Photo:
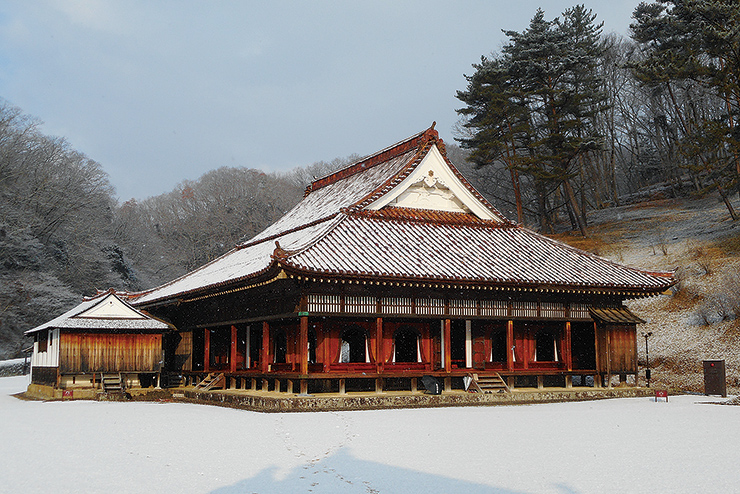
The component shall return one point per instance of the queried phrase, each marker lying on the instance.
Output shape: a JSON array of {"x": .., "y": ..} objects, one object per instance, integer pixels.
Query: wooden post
[
  {"x": 265, "y": 384},
  {"x": 448, "y": 384},
  {"x": 342, "y": 387},
  {"x": 509, "y": 345},
  {"x": 232, "y": 354},
  {"x": 568, "y": 346},
  {"x": 569, "y": 381},
  {"x": 378, "y": 384},
  {"x": 379, "y": 357},
  {"x": 304, "y": 386},
  {"x": 597, "y": 349},
  {"x": 303, "y": 351},
  {"x": 207, "y": 350},
  {"x": 265, "y": 352},
  {"x": 448, "y": 344},
  {"x": 414, "y": 384},
  {"x": 608, "y": 359},
  {"x": 540, "y": 382}
]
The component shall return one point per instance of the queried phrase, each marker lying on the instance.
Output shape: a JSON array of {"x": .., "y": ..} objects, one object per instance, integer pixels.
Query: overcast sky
[{"x": 159, "y": 92}]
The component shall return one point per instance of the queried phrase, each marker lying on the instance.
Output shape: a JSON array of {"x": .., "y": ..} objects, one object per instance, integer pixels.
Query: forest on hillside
[{"x": 565, "y": 120}]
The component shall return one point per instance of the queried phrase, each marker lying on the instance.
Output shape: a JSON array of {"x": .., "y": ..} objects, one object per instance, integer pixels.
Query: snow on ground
[{"x": 626, "y": 445}]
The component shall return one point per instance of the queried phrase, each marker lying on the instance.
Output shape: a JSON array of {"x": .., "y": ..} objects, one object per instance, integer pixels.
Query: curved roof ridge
[
  {"x": 338, "y": 219},
  {"x": 250, "y": 243},
  {"x": 371, "y": 160},
  {"x": 430, "y": 137}
]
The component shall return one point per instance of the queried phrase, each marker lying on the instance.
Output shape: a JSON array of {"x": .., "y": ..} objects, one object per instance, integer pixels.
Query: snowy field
[{"x": 627, "y": 445}]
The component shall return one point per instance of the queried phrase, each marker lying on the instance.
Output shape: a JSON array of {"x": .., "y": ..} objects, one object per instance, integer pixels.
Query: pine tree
[
  {"x": 695, "y": 45},
  {"x": 537, "y": 102},
  {"x": 498, "y": 121}
]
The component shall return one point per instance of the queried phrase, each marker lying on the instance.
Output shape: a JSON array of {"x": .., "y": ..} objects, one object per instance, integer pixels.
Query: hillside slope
[{"x": 700, "y": 318}]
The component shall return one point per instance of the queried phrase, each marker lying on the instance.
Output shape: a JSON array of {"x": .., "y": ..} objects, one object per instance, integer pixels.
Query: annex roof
[
  {"x": 405, "y": 213},
  {"x": 104, "y": 312}
]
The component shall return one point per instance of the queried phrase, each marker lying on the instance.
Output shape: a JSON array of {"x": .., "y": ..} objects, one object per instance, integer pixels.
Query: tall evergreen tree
[
  {"x": 695, "y": 45},
  {"x": 498, "y": 120},
  {"x": 545, "y": 82}
]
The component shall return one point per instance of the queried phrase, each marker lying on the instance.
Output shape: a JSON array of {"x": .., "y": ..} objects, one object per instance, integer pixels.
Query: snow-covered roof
[
  {"x": 106, "y": 311},
  {"x": 406, "y": 213}
]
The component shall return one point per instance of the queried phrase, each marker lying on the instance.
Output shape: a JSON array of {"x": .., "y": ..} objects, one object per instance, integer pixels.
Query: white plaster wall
[{"x": 49, "y": 358}]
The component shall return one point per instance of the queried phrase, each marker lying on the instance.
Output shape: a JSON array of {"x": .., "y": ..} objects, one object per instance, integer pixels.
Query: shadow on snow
[{"x": 342, "y": 473}]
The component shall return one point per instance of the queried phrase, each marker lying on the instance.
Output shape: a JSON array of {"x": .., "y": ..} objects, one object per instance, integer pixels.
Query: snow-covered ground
[{"x": 625, "y": 445}]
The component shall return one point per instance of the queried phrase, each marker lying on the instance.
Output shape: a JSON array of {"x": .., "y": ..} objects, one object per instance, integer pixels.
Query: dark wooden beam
[{"x": 207, "y": 350}]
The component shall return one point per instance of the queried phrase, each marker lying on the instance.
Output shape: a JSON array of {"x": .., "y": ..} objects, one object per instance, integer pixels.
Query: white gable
[
  {"x": 111, "y": 307},
  {"x": 433, "y": 186}
]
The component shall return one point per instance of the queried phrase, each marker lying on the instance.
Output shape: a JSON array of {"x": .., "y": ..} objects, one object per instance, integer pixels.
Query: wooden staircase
[
  {"x": 211, "y": 381},
  {"x": 488, "y": 384},
  {"x": 112, "y": 383},
  {"x": 170, "y": 380}
]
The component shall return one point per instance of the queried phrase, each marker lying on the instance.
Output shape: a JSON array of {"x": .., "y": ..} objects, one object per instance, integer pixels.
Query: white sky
[{"x": 159, "y": 92}]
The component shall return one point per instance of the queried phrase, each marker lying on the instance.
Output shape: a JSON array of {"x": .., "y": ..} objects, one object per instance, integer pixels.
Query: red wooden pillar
[
  {"x": 232, "y": 354},
  {"x": 303, "y": 345},
  {"x": 379, "y": 356},
  {"x": 265, "y": 353},
  {"x": 448, "y": 345},
  {"x": 207, "y": 350},
  {"x": 568, "y": 346},
  {"x": 510, "y": 345},
  {"x": 599, "y": 364}
]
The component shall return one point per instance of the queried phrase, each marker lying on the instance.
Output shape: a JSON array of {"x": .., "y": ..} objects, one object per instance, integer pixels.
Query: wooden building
[
  {"x": 396, "y": 268},
  {"x": 104, "y": 339}
]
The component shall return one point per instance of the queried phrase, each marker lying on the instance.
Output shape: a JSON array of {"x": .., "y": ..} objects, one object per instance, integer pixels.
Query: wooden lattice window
[
  {"x": 430, "y": 306},
  {"x": 552, "y": 310},
  {"x": 524, "y": 309},
  {"x": 495, "y": 308},
  {"x": 463, "y": 308},
  {"x": 579, "y": 311},
  {"x": 359, "y": 305},
  {"x": 397, "y": 305},
  {"x": 323, "y": 303}
]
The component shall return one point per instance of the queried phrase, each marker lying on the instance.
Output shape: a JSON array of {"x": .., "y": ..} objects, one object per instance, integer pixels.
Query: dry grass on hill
[{"x": 700, "y": 318}]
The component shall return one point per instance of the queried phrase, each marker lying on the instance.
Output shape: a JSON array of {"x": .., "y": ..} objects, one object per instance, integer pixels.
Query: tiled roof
[
  {"x": 332, "y": 232},
  {"x": 475, "y": 253},
  {"x": 79, "y": 318},
  {"x": 245, "y": 262}
]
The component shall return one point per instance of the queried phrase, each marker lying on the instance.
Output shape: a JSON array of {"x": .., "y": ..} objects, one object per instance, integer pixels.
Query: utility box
[{"x": 715, "y": 378}]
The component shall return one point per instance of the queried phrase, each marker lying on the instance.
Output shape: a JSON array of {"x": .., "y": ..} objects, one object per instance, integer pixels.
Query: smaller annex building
[{"x": 104, "y": 341}]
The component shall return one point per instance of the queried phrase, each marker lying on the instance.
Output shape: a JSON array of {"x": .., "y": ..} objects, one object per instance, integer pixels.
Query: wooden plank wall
[
  {"x": 622, "y": 355},
  {"x": 617, "y": 349},
  {"x": 184, "y": 351},
  {"x": 105, "y": 352}
]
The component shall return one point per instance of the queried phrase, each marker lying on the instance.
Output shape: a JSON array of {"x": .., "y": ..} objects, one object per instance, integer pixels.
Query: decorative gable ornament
[{"x": 433, "y": 186}]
